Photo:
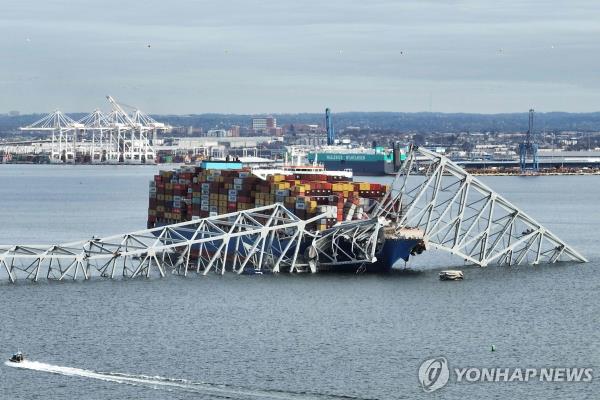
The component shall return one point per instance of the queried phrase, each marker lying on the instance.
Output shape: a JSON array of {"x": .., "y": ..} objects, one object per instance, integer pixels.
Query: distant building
[
  {"x": 217, "y": 133},
  {"x": 14, "y": 113},
  {"x": 303, "y": 128},
  {"x": 276, "y": 131},
  {"x": 262, "y": 125},
  {"x": 259, "y": 124},
  {"x": 235, "y": 130},
  {"x": 568, "y": 142}
]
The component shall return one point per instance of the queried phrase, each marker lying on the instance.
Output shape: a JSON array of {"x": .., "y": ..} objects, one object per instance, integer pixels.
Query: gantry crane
[{"x": 529, "y": 148}]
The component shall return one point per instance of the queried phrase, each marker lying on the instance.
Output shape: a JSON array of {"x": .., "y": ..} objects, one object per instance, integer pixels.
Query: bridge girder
[
  {"x": 461, "y": 215},
  {"x": 264, "y": 239}
]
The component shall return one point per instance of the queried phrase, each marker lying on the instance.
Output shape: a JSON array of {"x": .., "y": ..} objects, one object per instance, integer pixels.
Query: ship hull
[
  {"x": 361, "y": 168},
  {"x": 363, "y": 163},
  {"x": 392, "y": 252}
]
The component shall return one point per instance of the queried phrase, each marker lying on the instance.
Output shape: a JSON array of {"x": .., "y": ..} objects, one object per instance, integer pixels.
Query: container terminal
[
  {"x": 125, "y": 135},
  {"x": 117, "y": 137},
  {"x": 432, "y": 202}
]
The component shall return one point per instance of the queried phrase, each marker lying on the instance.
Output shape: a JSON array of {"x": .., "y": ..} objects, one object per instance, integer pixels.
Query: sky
[{"x": 289, "y": 56}]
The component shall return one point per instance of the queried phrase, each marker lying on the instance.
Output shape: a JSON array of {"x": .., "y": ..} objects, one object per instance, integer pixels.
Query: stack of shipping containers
[{"x": 194, "y": 192}]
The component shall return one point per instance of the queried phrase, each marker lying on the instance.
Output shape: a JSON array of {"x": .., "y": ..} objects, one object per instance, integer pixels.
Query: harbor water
[{"x": 288, "y": 337}]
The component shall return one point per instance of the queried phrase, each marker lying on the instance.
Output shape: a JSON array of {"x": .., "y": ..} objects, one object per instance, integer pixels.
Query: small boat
[
  {"x": 451, "y": 275},
  {"x": 17, "y": 357}
]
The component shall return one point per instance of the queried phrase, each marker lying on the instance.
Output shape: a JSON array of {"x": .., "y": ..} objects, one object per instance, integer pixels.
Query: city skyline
[{"x": 284, "y": 57}]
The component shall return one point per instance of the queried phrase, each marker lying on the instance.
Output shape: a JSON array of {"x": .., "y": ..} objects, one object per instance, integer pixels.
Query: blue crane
[
  {"x": 329, "y": 126},
  {"x": 529, "y": 148}
]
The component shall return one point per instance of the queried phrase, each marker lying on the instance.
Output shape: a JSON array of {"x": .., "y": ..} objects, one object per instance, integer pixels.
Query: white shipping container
[
  {"x": 351, "y": 212},
  {"x": 331, "y": 211},
  {"x": 359, "y": 213}
]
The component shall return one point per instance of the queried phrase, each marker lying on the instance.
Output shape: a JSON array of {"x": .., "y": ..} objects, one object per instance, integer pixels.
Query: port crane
[
  {"x": 64, "y": 134},
  {"x": 529, "y": 148},
  {"x": 111, "y": 138},
  {"x": 132, "y": 133}
]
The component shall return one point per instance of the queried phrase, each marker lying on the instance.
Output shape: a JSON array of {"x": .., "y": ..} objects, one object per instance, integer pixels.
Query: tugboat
[
  {"x": 17, "y": 357},
  {"x": 451, "y": 275}
]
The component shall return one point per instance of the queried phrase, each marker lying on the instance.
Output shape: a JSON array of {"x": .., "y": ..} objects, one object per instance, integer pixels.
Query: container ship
[
  {"x": 340, "y": 154},
  {"x": 219, "y": 187},
  {"x": 362, "y": 161}
]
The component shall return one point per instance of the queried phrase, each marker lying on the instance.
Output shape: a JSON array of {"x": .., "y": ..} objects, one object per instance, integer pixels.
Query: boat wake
[{"x": 170, "y": 384}]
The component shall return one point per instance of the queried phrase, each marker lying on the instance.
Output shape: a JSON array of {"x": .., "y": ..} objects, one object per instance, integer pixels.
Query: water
[{"x": 287, "y": 337}]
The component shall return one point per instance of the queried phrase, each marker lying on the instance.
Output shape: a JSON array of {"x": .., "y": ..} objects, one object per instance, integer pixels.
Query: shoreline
[
  {"x": 540, "y": 173},
  {"x": 474, "y": 172}
]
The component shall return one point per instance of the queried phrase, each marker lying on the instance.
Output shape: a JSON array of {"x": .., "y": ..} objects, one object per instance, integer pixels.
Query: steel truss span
[
  {"x": 451, "y": 210},
  {"x": 264, "y": 239},
  {"x": 461, "y": 215}
]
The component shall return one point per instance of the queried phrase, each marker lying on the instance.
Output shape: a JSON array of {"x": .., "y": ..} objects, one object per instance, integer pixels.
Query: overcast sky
[{"x": 269, "y": 56}]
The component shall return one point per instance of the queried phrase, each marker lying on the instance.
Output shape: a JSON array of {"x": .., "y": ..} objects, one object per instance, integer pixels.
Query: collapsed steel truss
[
  {"x": 452, "y": 210},
  {"x": 264, "y": 239},
  {"x": 461, "y": 215}
]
